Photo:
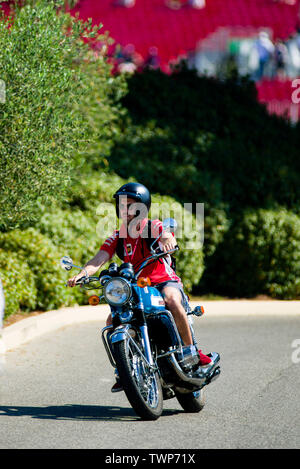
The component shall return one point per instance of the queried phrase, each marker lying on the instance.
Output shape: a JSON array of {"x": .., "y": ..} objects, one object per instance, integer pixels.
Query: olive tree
[{"x": 59, "y": 106}]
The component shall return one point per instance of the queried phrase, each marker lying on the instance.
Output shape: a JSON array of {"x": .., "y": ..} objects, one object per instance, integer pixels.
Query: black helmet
[{"x": 135, "y": 191}]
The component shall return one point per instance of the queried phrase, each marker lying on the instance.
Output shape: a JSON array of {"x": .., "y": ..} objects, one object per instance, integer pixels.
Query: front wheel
[
  {"x": 191, "y": 402},
  {"x": 141, "y": 384}
]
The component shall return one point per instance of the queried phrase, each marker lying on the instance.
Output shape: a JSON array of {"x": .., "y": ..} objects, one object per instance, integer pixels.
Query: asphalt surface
[{"x": 55, "y": 392}]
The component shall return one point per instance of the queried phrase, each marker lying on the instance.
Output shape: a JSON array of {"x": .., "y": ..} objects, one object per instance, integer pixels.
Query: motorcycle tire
[
  {"x": 143, "y": 408},
  {"x": 192, "y": 402}
]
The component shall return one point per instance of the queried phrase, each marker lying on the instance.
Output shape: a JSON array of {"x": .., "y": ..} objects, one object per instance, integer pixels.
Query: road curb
[{"x": 27, "y": 329}]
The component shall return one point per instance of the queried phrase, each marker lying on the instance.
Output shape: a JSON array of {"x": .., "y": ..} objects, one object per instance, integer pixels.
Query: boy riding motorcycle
[{"x": 130, "y": 244}]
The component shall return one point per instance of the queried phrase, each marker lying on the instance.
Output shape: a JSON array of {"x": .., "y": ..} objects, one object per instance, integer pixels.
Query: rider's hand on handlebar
[
  {"x": 168, "y": 242},
  {"x": 72, "y": 281}
]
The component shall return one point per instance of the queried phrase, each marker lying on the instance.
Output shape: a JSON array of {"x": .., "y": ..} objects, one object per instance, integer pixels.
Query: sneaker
[
  {"x": 117, "y": 387},
  {"x": 204, "y": 359}
]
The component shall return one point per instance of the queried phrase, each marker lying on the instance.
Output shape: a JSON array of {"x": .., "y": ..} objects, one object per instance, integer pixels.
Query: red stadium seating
[
  {"x": 281, "y": 97},
  {"x": 178, "y": 31},
  {"x": 152, "y": 23},
  {"x": 175, "y": 32}
]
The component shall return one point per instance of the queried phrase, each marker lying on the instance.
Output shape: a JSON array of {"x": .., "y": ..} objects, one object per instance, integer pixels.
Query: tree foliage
[
  {"x": 60, "y": 106},
  {"x": 206, "y": 140}
]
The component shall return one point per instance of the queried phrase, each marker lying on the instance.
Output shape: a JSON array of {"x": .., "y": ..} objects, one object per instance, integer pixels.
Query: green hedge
[
  {"x": 73, "y": 231},
  {"x": 89, "y": 189},
  {"x": 216, "y": 225},
  {"x": 259, "y": 254},
  {"x": 18, "y": 283},
  {"x": 38, "y": 255}
]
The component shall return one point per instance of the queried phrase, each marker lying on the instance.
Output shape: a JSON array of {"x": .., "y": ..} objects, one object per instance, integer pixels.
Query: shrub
[
  {"x": 259, "y": 254},
  {"x": 72, "y": 231},
  {"x": 91, "y": 188},
  {"x": 18, "y": 283},
  {"x": 216, "y": 225},
  {"x": 60, "y": 109},
  {"x": 42, "y": 258}
]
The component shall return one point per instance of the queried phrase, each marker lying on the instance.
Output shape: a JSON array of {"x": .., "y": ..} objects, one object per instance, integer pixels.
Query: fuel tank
[{"x": 152, "y": 299}]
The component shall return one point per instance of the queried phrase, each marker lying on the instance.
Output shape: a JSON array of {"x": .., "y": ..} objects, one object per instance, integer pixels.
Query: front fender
[{"x": 119, "y": 334}]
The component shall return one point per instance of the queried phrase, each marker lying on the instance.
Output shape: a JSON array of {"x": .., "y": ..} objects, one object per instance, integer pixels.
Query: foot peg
[{"x": 211, "y": 371}]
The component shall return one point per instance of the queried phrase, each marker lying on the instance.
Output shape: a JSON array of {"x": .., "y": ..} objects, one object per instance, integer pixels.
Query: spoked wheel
[
  {"x": 192, "y": 401},
  {"x": 141, "y": 383}
]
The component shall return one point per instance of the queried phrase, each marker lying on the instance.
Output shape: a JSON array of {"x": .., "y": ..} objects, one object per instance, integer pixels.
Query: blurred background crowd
[
  {"x": 259, "y": 39},
  {"x": 257, "y": 54}
]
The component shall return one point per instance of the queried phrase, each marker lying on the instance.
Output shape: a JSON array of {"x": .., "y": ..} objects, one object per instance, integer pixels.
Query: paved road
[{"x": 55, "y": 392}]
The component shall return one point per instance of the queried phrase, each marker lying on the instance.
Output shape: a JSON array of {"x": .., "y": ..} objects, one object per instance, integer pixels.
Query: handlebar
[
  {"x": 160, "y": 253},
  {"x": 85, "y": 279}
]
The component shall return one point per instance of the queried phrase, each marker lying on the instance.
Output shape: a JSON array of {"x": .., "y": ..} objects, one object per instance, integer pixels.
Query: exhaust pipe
[{"x": 205, "y": 376}]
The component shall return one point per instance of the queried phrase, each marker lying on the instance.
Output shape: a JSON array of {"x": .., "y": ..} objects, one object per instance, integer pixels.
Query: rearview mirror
[
  {"x": 169, "y": 224},
  {"x": 66, "y": 263}
]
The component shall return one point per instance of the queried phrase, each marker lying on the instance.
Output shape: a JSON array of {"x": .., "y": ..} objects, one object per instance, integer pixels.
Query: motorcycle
[{"x": 143, "y": 343}]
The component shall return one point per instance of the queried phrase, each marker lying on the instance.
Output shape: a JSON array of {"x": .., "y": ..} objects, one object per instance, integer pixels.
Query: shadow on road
[{"x": 77, "y": 412}]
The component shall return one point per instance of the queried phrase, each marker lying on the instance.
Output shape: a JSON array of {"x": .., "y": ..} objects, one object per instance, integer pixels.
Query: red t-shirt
[{"x": 136, "y": 249}]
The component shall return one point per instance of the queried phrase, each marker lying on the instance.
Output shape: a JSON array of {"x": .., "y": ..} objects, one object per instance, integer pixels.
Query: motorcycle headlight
[{"x": 117, "y": 291}]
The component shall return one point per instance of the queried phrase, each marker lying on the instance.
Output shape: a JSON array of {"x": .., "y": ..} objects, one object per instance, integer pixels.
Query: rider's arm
[
  {"x": 97, "y": 262},
  {"x": 105, "y": 253},
  {"x": 91, "y": 267},
  {"x": 167, "y": 239}
]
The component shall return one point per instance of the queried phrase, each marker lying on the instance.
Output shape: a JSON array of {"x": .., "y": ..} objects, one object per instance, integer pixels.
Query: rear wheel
[
  {"x": 141, "y": 384},
  {"x": 191, "y": 402}
]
